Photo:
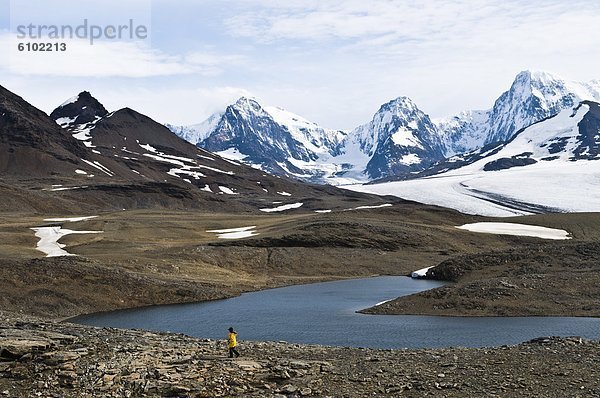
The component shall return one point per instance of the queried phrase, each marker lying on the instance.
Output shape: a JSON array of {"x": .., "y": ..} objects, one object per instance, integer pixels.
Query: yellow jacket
[{"x": 232, "y": 340}]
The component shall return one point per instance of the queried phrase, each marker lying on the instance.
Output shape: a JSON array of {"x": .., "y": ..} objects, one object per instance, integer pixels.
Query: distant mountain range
[
  {"x": 542, "y": 132},
  {"x": 83, "y": 157},
  {"x": 399, "y": 142},
  {"x": 551, "y": 166},
  {"x": 400, "y": 138}
]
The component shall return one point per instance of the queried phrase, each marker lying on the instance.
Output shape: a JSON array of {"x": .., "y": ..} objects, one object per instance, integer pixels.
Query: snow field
[{"x": 505, "y": 228}]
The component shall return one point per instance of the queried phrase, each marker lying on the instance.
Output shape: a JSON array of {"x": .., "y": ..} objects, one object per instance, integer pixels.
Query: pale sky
[{"x": 333, "y": 62}]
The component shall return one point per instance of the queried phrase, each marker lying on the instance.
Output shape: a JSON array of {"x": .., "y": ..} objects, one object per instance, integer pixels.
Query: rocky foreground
[{"x": 50, "y": 359}]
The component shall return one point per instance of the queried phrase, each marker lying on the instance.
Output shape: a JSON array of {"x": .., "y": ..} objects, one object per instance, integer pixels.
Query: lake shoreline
[
  {"x": 550, "y": 279},
  {"x": 289, "y": 283},
  {"x": 329, "y": 313}
]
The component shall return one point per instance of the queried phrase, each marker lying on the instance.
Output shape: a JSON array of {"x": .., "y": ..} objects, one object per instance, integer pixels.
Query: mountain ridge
[
  {"x": 399, "y": 141},
  {"x": 123, "y": 159},
  {"x": 293, "y": 146}
]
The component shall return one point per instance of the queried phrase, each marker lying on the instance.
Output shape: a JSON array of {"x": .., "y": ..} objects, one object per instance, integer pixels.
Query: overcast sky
[{"x": 333, "y": 62}]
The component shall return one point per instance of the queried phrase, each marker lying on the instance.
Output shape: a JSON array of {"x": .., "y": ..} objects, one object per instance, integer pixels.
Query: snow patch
[
  {"x": 69, "y": 219},
  {"x": 194, "y": 174},
  {"x": 65, "y": 121},
  {"x": 49, "y": 237},
  {"x": 69, "y": 101},
  {"x": 205, "y": 157},
  {"x": 405, "y": 137},
  {"x": 504, "y": 228},
  {"x": 164, "y": 159},
  {"x": 231, "y": 154},
  {"x": 99, "y": 166},
  {"x": 372, "y": 207},
  {"x": 283, "y": 207},
  {"x": 411, "y": 158},
  {"x": 383, "y": 302},
  {"x": 235, "y": 233},
  {"x": 420, "y": 273},
  {"x": 68, "y": 188},
  {"x": 147, "y": 147},
  {"x": 227, "y": 191},
  {"x": 230, "y": 173}
]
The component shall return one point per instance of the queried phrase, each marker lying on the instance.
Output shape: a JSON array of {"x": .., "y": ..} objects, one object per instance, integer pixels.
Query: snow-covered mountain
[
  {"x": 399, "y": 142},
  {"x": 533, "y": 96},
  {"x": 550, "y": 166},
  {"x": 85, "y": 159},
  {"x": 399, "y": 139},
  {"x": 196, "y": 133},
  {"x": 270, "y": 138},
  {"x": 463, "y": 132}
]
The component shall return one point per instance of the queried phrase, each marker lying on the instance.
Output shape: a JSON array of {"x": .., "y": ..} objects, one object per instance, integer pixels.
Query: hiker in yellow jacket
[{"x": 232, "y": 343}]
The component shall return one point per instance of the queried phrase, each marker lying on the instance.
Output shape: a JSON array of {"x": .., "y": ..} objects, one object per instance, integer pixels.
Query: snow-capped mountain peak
[
  {"x": 249, "y": 105},
  {"x": 316, "y": 138},
  {"x": 533, "y": 96},
  {"x": 551, "y": 90},
  {"x": 399, "y": 139},
  {"x": 197, "y": 132},
  {"x": 399, "y": 113},
  {"x": 78, "y": 110},
  {"x": 268, "y": 137},
  {"x": 399, "y": 105}
]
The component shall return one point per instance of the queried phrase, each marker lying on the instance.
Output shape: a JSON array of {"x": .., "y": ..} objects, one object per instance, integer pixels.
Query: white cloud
[
  {"x": 178, "y": 105},
  {"x": 110, "y": 59},
  {"x": 448, "y": 55},
  {"x": 334, "y": 62},
  {"x": 427, "y": 32},
  {"x": 383, "y": 22}
]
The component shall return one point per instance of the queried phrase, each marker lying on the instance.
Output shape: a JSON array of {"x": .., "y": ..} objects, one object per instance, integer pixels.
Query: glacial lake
[{"x": 325, "y": 313}]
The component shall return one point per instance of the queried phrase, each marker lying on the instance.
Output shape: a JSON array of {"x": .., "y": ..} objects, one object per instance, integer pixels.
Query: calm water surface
[{"x": 325, "y": 313}]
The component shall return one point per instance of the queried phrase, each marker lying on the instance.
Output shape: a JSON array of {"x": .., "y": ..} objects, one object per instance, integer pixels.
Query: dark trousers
[{"x": 233, "y": 351}]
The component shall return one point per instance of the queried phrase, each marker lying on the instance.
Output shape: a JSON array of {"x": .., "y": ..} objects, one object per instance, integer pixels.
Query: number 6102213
[{"x": 39, "y": 47}]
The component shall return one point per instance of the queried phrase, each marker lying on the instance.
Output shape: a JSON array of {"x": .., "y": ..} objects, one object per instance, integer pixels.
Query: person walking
[{"x": 232, "y": 343}]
